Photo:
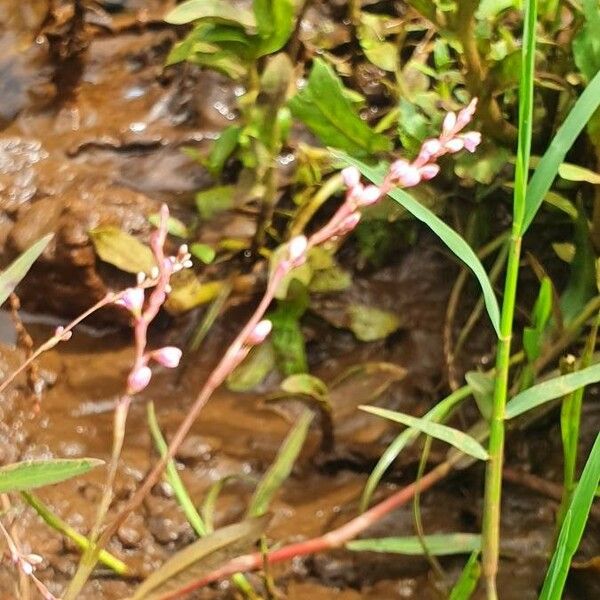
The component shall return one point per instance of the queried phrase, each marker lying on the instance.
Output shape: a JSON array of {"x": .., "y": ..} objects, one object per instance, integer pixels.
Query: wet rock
[
  {"x": 132, "y": 531},
  {"x": 166, "y": 522}
]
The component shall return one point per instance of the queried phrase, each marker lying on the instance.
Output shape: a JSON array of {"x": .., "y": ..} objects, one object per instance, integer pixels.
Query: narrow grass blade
[
  {"x": 554, "y": 388},
  {"x": 454, "y": 437},
  {"x": 547, "y": 168},
  {"x": 467, "y": 582},
  {"x": 31, "y": 474},
  {"x": 14, "y": 273},
  {"x": 54, "y": 521},
  {"x": 453, "y": 240},
  {"x": 442, "y": 544},
  {"x": 183, "y": 498},
  {"x": 438, "y": 413},
  {"x": 209, "y": 504},
  {"x": 573, "y": 526},
  {"x": 281, "y": 468}
]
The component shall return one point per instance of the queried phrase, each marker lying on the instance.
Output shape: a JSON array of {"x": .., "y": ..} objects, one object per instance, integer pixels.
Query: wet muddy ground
[{"x": 92, "y": 131}]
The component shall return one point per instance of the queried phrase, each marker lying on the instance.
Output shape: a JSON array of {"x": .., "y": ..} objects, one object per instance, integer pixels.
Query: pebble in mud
[
  {"x": 131, "y": 532},
  {"x": 197, "y": 447},
  {"x": 166, "y": 522}
]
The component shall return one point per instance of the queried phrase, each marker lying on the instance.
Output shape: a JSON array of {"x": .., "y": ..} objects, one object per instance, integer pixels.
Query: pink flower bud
[
  {"x": 466, "y": 114},
  {"x": 455, "y": 145},
  {"x": 297, "y": 247},
  {"x": 369, "y": 195},
  {"x": 349, "y": 223},
  {"x": 138, "y": 380},
  {"x": 411, "y": 177},
  {"x": 399, "y": 168},
  {"x": 132, "y": 300},
  {"x": 259, "y": 333},
  {"x": 430, "y": 149},
  {"x": 169, "y": 356},
  {"x": 471, "y": 140},
  {"x": 449, "y": 123},
  {"x": 429, "y": 171},
  {"x": 351, "y": 177}
]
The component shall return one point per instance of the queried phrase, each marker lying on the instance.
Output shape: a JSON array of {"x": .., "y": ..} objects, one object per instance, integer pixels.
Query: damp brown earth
[{"x": 92, "y": 134}]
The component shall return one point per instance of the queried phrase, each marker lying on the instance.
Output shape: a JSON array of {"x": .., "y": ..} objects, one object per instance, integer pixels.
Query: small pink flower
[
  {"x": 138, "y": 380},
  {"x": 132, "y": 300},
  {"x": 260, "y": 332},
  {"x": 297, "y": 248},
  {"x": 430, "y": 149},
  {"x": 411, "y": 177},
  {"x": 399, "y": 168},
  {"x": 471, "y": 140},
  {"x": 369, "y": 195},
  {"x": 349, "y": 223},
  {"x": 455, "y": 145},
  {"x": 351, "y": 177},
  {"x": 169, "y": 356},
  {"x": 429, "y": 171},
  {"x": 449, "y": 123},
  {"x": 466, "y": 114}
]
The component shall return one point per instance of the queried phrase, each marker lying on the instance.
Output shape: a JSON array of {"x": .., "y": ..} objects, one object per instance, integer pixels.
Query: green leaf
[
  {"x": 454, "y": 437},
  {"x": 305, "y": 384},
  {"x": 439, "y": 544},
  {"x": 467, "y": 582},
  {"x": 31, "y": 474},
  {"x": 276, "y": 21},
  {"x": 455, "y": 242},
  {"x": 200, "y": 558},
  {"x": 371, "y": 33},
  {"x": 438, "y": 413},
  {"x": 14, "y": 273},
  {"x": 586, "y": 45},
  {"x": 482, "y": 386},
  {"x": 122, "y": 250},
  {"x": 482, "y": 166},
  {"x": 220, "y": 11},
  {"x": 573, "y": 526},
  {"x": 203, "y": 252},
  {"x": 282, "y": 466},
  {"x": 172, "y": 476},
  {"x": 533, "y": 336},
  {"x": 188, "y": 292},
  {"x": 174, "y": 226},
  {"x": 222, "y": 149},
  {"x": 215, "y": 200},
  {"x": 211, "y": 497},
  {"x": 369, "y": 323},
  {"x": 327, "y": 112},
  {"x": 576, "y": 173},
  {"x": 257, "y": 365},
  {"x": 551, "y": 389},
  {"x": 548, "y": 166}
]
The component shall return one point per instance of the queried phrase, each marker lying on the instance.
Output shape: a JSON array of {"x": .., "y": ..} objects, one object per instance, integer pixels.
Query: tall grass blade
[
  {"x": 453, "y": 240},
  {"x": 467, "y": 582},
  {"x": 439, "y": 544},
  {"x": 547, "y": 168},
  {"x": 573, "y": 526},
  {"x": 454, "y": 437}
]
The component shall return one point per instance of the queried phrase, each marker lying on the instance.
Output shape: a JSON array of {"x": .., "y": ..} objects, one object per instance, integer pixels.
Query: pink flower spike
[
  {"x": 449, "y": 123},
  {"x": 169, "y": 356},
  {"x": 430, "y": 149},
  {"x": 349, "y": 223},
  {"x": 429, "y": 171},
  {"x": 471, "y": 140},
  {"x": 411, "y": 177},
  {"x": 259, "y": 333},
  {"x": 297, "y": 248},
  {"x": 138, "y": 380},
  {"x": 351, "y": 177},
  {"x": 369, "y": 195},
  {"x": 455, "y": 145},
  {"x": 132, "y": 300}
]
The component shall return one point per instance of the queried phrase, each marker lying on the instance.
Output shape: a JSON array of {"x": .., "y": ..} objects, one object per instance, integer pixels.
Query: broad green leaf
[
  {"x": 222, "y": 149},
  {"x": 554, "y": 388},
  {"x": 305, "y": 384},
  {"x": 215, "y": 200},
  {"x": 565, "y": 251},
  {"x": 369, "y": 323},
  {"x": 203, "y": 252},
  {"x": 172, "y": 476},
  {"x": 490, "y": 9},
  {"x": 586, "y": 45},
  {"x": 440, "y": 544},
  {"x": 174, "y": 226},
  {"x": 573, "y": 526},
  {"x": 189, "y": 292},
  {"x": 31, "y": 474},
  {"x": 467, "y": 582},
  {"x": 200, "y": 558},
  {"x": 482, "y": 166},
  {"x": 548, "y": 166},
  {"x": 221, "y": 11},
  {"x": 328, "y": 113},
  {"x": 454, "y": 437},
  {"x": 371, "y": 35},
  {"x": 576, "y": 173},
  {"x": 275, "y": 20},
  {"x": 282, "y": 466},
  {"x": 455, "y": 242},
  {"x": 257, "y": 365},
  {"x": 482, "y": 386},
  {"x": 14, "y": 273},
  {"x": 438, "y": 413},
  {"x": 122, "y": 250}
]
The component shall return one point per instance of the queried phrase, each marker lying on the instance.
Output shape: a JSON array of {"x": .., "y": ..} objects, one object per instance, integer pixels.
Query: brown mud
[{"x": 92, "y": 132}]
